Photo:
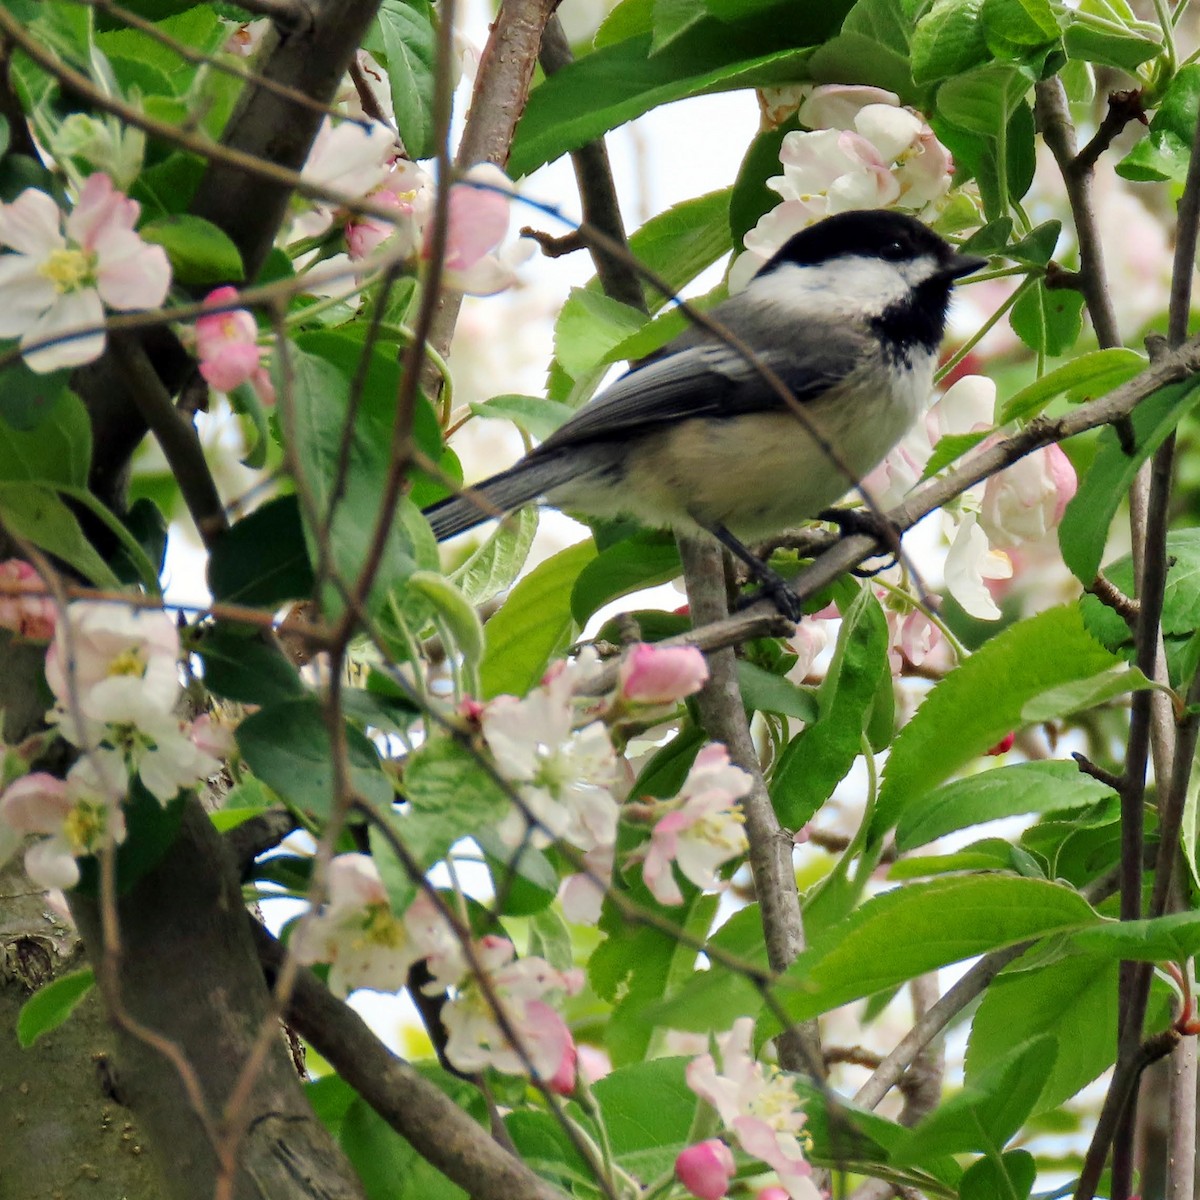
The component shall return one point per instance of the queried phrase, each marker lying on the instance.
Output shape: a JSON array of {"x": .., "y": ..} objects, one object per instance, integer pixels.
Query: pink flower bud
[
  {"x": 227, "y": 344},
  {"x": 1004, "y": 745},
  {"x": 661, "y": 674},
  {"x": 706, "y": 1169},
  {"x": 31, "y": 617},
  {"x": 772, "y": 1193},
  {"x": 562, "y": 1082}
]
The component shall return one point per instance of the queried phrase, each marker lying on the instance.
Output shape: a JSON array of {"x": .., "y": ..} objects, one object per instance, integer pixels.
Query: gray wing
[{"x": 699, "y": 376}]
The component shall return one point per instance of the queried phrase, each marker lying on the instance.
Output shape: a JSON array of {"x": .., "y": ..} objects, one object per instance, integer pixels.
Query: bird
[{"x": 846, "y": 318}]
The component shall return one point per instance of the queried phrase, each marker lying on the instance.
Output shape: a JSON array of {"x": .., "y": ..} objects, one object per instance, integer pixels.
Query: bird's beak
[{"x": 964, "y": 264}]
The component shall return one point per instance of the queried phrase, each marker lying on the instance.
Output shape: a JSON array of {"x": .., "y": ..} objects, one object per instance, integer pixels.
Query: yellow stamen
[{"x": 68, "y": 269}]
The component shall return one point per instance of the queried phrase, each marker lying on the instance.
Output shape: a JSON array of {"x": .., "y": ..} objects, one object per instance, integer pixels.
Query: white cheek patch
[{"x": 853, "y": 285}]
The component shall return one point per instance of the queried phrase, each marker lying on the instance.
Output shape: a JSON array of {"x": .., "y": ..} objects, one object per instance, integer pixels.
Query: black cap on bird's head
[{"x": 873, "y": 233}]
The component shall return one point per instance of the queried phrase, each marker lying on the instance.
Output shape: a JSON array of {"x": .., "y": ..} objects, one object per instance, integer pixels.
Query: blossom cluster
[
  {"x": 114, "y": 674},
  {"x": 497, "y": 1012},
  {"x": 758, "y": 1106},
  {"x": 558, "y": 753},
  {"x": 859, "y": 149},
  {"x": 1017, "y": 507}
]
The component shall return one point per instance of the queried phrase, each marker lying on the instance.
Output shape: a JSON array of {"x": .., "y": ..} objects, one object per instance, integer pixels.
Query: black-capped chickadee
[{"x": 848, "y": 315}]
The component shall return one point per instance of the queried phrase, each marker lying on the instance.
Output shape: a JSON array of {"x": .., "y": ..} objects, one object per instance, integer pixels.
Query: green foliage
[{"x": 51, "y": 1005}]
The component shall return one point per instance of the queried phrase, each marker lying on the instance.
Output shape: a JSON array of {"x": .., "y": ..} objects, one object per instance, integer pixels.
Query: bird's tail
[{"x": 500, "y": 494}]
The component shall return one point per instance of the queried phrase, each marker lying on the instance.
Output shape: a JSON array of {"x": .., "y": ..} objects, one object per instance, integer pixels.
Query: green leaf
[
  {"x": 981, "y": 701},
  {"x": 819, "y": 757},
  {"x": 1082, "y": 694},
  {"x": 1165, "y": 153},
  {"x": 648, "y": 1110},
  {"x": 951, "y": 447},
  {"x": 51, "y": 1005},
  {"x": 1037, "y": 246},
  {"x": 1126, "y": 50},
  {"x": 988, "y": 1111},
  {"x": 534, "y": 624},
  {"x": 672, "y": 19},
  {"x": 405, "y": 29},
  {"x": 1083, "y": 378},
  {"x": 948, "y": 40},
  {"x": 33, "y": 511},
  {"x": 54, "y": 448},
  {"x": 387, "y": 1165},
  {"x": 200, "y": 252},
  {"x": 450, "y": 794},
  {"x": 642, "y": 561},
  {"x": 26, "y": 396},
  {"x": 534, "y": 415},
  {"x": 921, "y": 927},
  {"x": 1026, "y": 22},
  {"x": 1175, "y": 937},
  {"x": 321, "y": 369},
  {"x": 980, "y": 100},
  {"x": 492, "y": 568},
  {"x": 764, "y": 691},
  {"x": 1048, "y": 322},
  {"x": 614, "y": 84},
  {"x": 681, "y": 242},
  {"x": 1033, "y": 787},
  {"x": 262, "y": 560},
  {"x": 588, "y": 326},
  {"x": 1083, "y": 532},
  {"x": 1012, "y": 1175},
  {"x": 239, "y": 665},
  {"x": 871, "y": 47},
  {"x": 1074, "y": 1000},
  {"x": 452, "y": 607},
  {"x": 287, "y": 745}
]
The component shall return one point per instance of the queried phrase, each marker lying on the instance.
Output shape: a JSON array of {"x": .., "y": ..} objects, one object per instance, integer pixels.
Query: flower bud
[{"x": 706, "y": 1169}]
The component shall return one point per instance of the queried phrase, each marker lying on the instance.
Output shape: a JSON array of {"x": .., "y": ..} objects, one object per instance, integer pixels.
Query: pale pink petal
[
  {"x": 835, "y": 105},
  {"x": 131, "y": 274},
  {"x": 27, "y": 294},
  {"x": 101, "y": 210},
  {"x": 32, "y": 224},
  {"x": 50, "y": 864},
  {"x": 36, "y": 803},
  {"x": 234, "y": 365},
  {"x": 889, "y": 129},
  {"x": 661, "y": 674},
  {"x": 71, "y": 311}
]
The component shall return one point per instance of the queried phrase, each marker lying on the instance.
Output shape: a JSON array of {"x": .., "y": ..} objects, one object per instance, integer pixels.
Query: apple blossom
[
  {"x": 114, "y": 662},
  {"x": 228, "y": 350},
  {"x": 969, "y": 563},
  {"x": 367, "y": 945},
  {"x": 772, "y": 1193},
  {"x": 861, "y": 150},
  {"x": 476, "y": 1038},
  {"x": 703, "y": 830},
  {"x": 212, "y": 734},
  {"x": 705, "y": 1169},
  {"x": 563, "y": 777},
  {"x": 30, "y": 617},
  {"x": 75, "y": 814},
  {"x": 660, "y": 674},
  {"x": 1025, "y": 502},
  {"x": 353, "y": 158},
  {"x": 758, "y": 1104},
  {"x": 478, "y": 223},
  {"x": 63, "y": 273},
  {"x": 408, "y": 190}
]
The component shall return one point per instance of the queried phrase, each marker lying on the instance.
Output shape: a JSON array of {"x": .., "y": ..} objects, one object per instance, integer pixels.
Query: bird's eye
[{"x": 892, "y": 251}]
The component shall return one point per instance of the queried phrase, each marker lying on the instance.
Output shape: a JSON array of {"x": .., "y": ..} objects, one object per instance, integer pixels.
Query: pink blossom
[
  {"x": 477, "y": 1039},
  {"x": 705, "y": 1169},
  {"x": 772, "y": 1193},
  {"x": 594, "y": 1062},
  {"x": 1003, "y": 746},
  {"x": 564, "y": 1079},
  {"x": 758, "y": 1104},
  {"x": 212, "y": 735},
  {"x": 114, "y": 661},
  {"x": 64, "y": 272},
  {"x": 564, "y": 777},
  {"x": 367, "y": 945},
  {"x": 75, "y": 815},
  {"x": 661, "y": 674},
  {"x": 478, "y": 224},
  {"x": 703, "y": 830},
  {"x": 1025, "y": 502},
  {"x": 227, "y": 347},
  {"x": 971, "y": 562},
  {"x": 30, "y": 617},
  {"x": 807, "y": 643},
  {"x": 408, "y": 190},
  {"x": 835, "y": 105}
]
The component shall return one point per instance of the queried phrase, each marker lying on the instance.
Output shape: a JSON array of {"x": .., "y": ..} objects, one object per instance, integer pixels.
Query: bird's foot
[{"x": 861, "y": 521}]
